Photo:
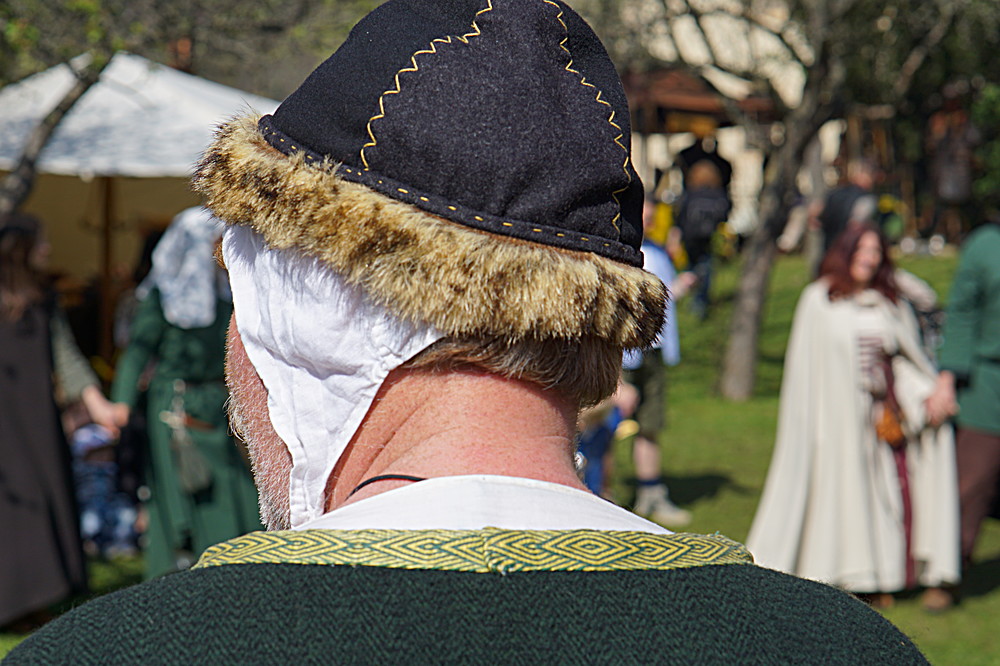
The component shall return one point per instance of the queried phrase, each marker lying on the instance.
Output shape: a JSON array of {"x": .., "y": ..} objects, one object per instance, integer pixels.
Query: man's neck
[{"x": 425, "y": 424}]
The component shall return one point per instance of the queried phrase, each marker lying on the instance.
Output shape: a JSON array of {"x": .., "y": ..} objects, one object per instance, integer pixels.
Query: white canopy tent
[
  {"x": 121, "y": 157},
  {"x": 140, "y": 120}
]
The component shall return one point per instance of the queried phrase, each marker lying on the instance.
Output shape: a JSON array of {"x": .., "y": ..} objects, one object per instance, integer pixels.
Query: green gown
[{"x": 188, "y": 511}]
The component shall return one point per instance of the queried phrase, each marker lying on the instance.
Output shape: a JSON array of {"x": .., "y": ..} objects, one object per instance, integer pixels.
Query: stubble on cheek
[{"x": 250, "y": 420}]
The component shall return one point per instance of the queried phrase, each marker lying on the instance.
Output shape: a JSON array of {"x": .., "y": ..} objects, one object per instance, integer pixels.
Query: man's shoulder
[{"x": 260, "y": 612}]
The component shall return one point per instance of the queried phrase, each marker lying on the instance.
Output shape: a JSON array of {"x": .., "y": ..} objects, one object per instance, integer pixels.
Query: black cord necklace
[{"x": 386, "y": 477}]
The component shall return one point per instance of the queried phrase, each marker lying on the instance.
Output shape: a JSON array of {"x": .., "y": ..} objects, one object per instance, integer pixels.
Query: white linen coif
[{"x": 321, "y": 348}]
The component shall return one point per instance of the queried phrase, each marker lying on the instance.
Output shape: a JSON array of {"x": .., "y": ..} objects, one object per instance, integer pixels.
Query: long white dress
[{"x": 832, "y": 508}]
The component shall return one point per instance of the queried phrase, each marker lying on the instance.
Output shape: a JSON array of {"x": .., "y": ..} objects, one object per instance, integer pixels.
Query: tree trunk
[
  {"x": 17, "y": 185},
  {"x": 740, "y": 363},
  {"x": 801, "y": 126}
]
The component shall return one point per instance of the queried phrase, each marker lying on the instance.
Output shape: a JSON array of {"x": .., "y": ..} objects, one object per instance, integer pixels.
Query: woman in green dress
[{"x": 200, "y": 488}]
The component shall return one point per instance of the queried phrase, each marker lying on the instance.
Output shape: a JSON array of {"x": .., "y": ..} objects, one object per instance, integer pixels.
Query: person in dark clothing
[
  {"x": 704, "y": 147},
  {"x": 701, "y": 209},
  {"x": 41, "y": 560},
  {"x": 851, "y": 203}
]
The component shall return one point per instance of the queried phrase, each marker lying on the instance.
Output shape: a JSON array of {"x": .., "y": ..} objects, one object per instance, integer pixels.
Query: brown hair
[
  {"x": 584, "y": 370},
  {"x": 20, "y": 282},
  {"x": 836, "y": 266}
]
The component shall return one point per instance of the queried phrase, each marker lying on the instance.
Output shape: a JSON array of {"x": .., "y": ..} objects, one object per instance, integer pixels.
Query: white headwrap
[
  {"x": 185, "y": 271},
  {"x": 322, "y": 350}
]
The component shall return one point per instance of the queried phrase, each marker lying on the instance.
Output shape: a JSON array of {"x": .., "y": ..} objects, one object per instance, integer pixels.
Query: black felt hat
[{"x": 457, "y": 158}]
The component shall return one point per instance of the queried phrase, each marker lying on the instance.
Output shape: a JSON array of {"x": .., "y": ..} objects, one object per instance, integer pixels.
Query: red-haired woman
[{"x": 861, "y": 492}]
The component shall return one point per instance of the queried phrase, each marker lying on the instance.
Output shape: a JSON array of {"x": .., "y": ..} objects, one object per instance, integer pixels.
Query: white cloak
[{"x": 832, "y": 509}]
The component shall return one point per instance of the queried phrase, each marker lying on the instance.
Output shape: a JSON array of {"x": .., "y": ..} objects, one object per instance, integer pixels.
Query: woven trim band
[{"x": 480, "y": 551}]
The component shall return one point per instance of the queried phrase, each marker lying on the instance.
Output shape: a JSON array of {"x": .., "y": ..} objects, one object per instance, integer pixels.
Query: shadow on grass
[
  {"x": 688, "y": 489},
  {"x": 685, "y": 490},
  {"x": 982, "y": 578}
]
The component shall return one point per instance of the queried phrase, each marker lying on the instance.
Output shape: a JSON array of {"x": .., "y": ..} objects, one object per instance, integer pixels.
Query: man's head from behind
[{"x": 451, "y": 188}]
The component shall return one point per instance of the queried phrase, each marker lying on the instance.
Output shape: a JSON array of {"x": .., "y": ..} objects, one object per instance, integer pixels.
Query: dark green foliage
[{"x": 986, "y": 117}]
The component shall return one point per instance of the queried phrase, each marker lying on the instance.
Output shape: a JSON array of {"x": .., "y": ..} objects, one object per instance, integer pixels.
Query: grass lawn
[{"x": 717, "y": 455}]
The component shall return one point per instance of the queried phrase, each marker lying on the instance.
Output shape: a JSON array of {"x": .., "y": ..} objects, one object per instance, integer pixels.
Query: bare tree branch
[
  {"x": 17, "y": 185},
  {"x": 838, "y": 9},
  {"x": 752, "y": 21},
  {"x": 698, "y": 22},
  {"x": 915, "y": 59}
]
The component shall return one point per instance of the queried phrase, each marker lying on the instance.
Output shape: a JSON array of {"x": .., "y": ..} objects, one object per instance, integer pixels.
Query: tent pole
[{"x": 105, "y": 343}]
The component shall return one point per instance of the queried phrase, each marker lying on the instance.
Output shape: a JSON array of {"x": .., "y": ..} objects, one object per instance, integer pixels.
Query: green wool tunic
[
  {"x": 473, "y": 597},
  {"x": 182, "y": 521},
  {"x": 971, "y": 347}
]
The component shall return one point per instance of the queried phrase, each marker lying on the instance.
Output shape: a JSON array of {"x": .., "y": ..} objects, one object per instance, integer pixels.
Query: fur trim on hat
[{"x": 419, "y": 266}]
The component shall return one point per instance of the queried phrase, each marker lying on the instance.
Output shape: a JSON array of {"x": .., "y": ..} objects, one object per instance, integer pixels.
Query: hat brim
[{"x": 423, "y": 268}]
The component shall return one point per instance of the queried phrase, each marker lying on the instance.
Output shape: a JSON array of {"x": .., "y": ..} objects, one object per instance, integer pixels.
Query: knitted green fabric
[{"x": 311, "y": 614}]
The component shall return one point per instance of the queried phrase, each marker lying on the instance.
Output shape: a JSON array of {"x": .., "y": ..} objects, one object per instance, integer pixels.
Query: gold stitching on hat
[
  {"x": 413, "y": 61},
  {"x": 452, "y": 208},
  {"x": 246, "y": 182},
  {"x": 507, "y": 224},
  {"x": 611, "y": 118},
  {"x": 424, "y": 199},
  {"x": 400, "y": 189},
  {"x": 478, "y": 219}
]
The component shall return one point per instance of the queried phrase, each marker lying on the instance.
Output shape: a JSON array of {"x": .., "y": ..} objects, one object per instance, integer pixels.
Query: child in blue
[{"x": 107, "y": 516}]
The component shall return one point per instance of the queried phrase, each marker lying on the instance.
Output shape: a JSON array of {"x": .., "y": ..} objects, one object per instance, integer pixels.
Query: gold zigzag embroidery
[
  {"x": 611, "y": 118},
  {"x": 480, "y": 551},
  {"x": 413, "y": 68}
]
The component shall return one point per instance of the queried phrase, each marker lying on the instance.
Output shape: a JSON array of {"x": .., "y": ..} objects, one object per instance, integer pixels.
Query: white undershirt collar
[{"x": 475, "y": 501}]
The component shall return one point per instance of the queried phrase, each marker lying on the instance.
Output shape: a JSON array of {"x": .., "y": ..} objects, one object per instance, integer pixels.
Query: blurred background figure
[
  {"x": 970, "y": 363},
  {"x": 951, "y": 142},
  {"x": 41, "y": 561},
  {"x": 854, "y": 202},
  {"x": 702, "y": 207},
  {"x": 107, "y": 515},
  {"x": 199, "y": 487},
  {"x": 599, "y": 427},
  {"x": 704, "y": 149},
  {"x": 647, "y": 372},
  {"x": 861, "y": 492}
]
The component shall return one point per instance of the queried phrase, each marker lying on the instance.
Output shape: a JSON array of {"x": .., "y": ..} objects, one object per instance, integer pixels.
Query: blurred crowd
[
  {"x": 869, "y": 487},
  {"x": 887, "y": 454}
]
